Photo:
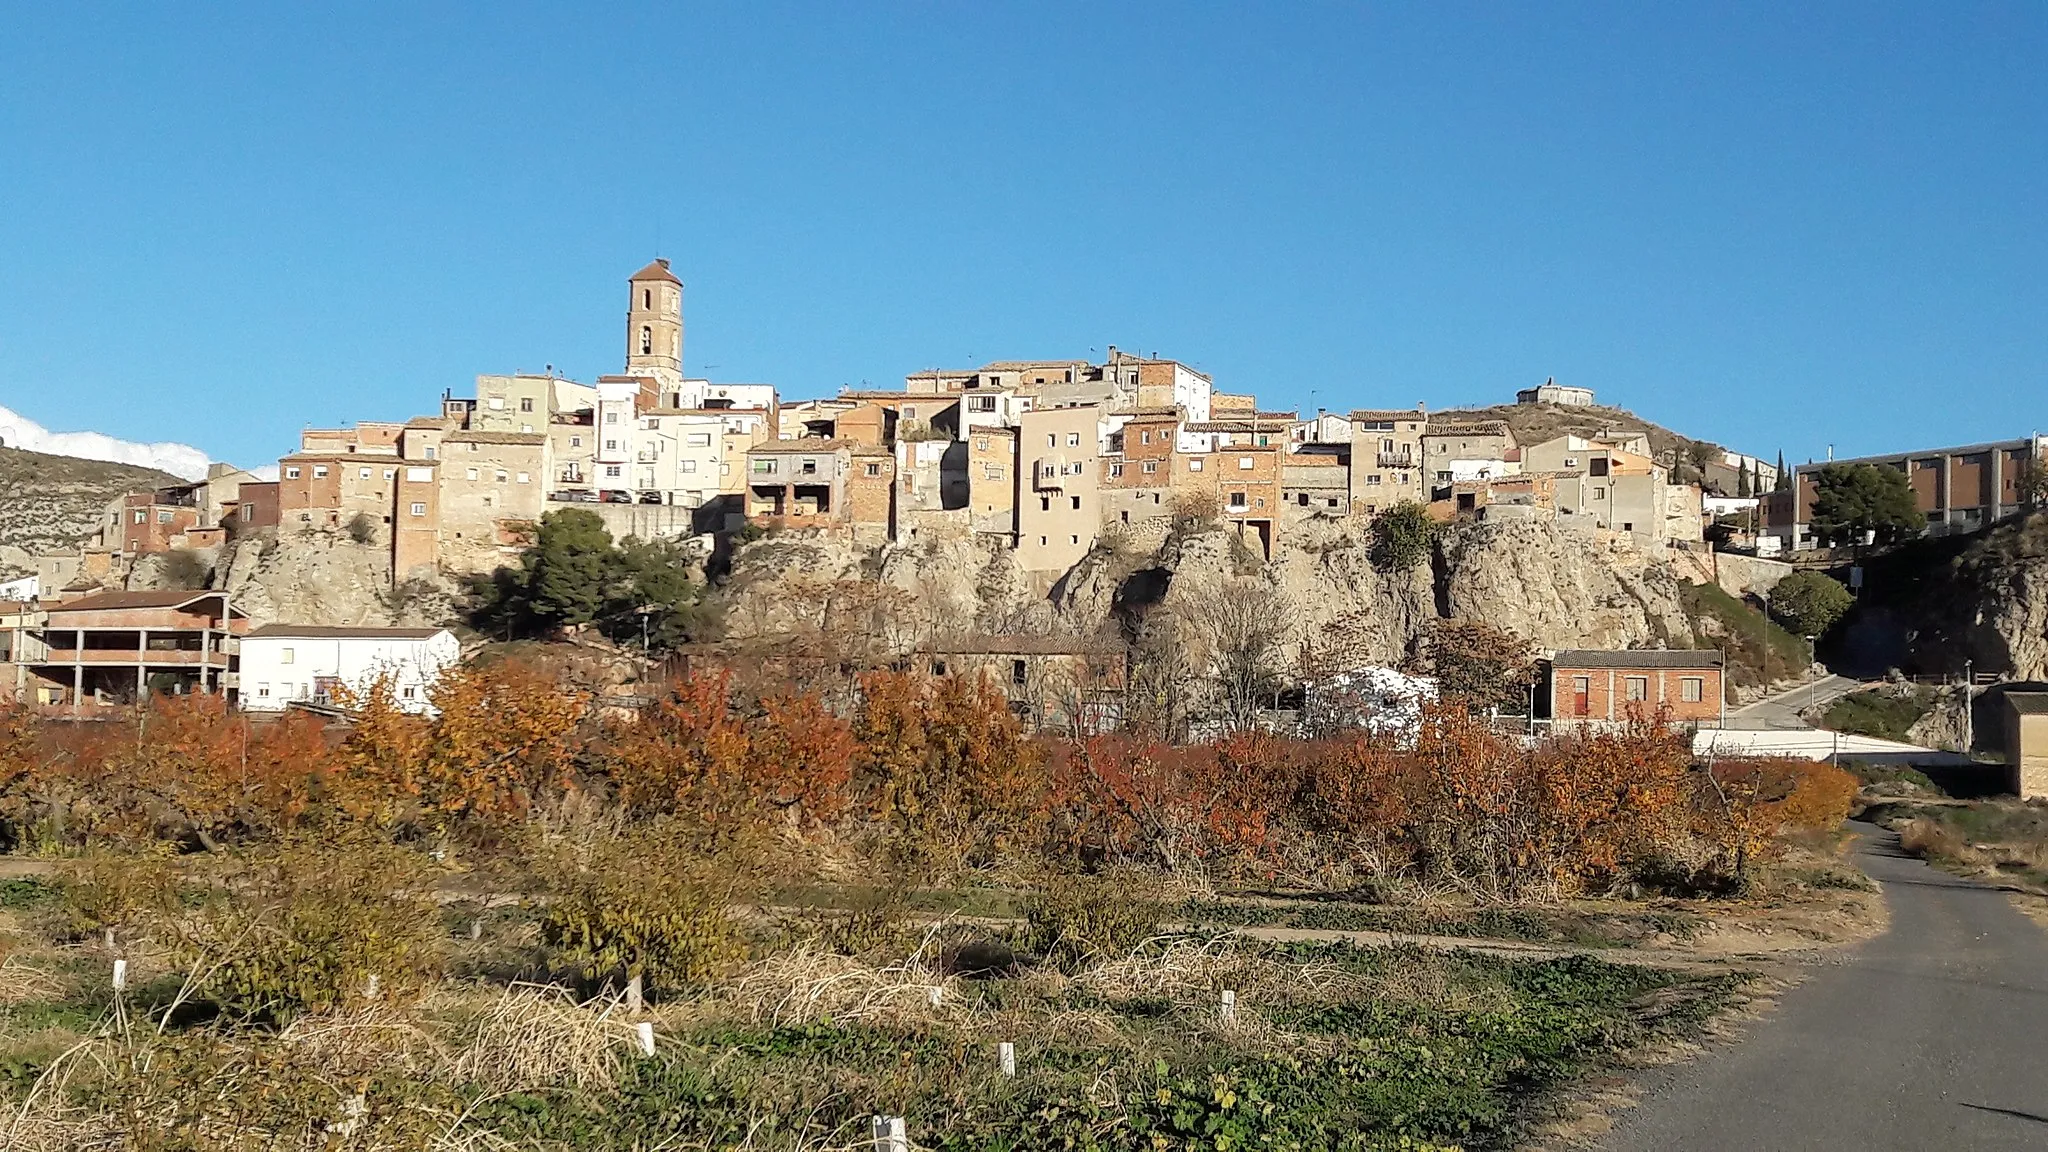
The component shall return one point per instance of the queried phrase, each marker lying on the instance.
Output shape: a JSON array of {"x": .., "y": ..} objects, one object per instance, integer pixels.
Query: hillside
[
  {"x": 49, "y": 502},
  {"x": 1933, "y": 606},
  {"x": 1535, "y": 423}
]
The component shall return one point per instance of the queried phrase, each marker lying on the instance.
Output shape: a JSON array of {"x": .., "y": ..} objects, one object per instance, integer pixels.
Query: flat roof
[
  {"x": 1636, "y": 658},
  {"x": 324, "y": 632},
  {"x": 106, "y": 601}
]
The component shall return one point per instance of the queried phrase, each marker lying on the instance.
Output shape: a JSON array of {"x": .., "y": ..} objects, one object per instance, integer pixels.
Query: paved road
[
  {"x": 1931, "y": 1036},
  {"x": 1782, "y": 711}
]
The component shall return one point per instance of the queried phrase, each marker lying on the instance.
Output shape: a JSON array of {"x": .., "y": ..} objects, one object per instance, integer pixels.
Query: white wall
[{"x": 276, "y": 670}]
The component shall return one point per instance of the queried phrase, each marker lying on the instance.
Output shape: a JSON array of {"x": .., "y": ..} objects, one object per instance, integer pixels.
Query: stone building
[
  {"x": 1058, "y": 509},
  {"x": 1386, "y": 458}
]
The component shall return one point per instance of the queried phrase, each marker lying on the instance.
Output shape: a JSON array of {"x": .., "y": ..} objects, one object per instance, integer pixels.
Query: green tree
[
  {"x": 650, "y": 579},
  {"x": 1401, "y": 537},
  {"x": 1852, "y": 501},
  {"x": 1809, "y": 603},
  {"x": 1743, "y": 485},
  {"x": 567, "y": 567}
]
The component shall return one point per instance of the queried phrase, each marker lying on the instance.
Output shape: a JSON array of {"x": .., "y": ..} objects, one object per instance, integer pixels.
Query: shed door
[{"x": 1582, "y": 695}]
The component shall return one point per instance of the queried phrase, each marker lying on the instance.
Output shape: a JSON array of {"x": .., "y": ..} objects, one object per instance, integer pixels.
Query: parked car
[
  {"x": 573, "y": 496},
  {"x": 614, "y": 496},
  {"x": 650, "y": 497}
]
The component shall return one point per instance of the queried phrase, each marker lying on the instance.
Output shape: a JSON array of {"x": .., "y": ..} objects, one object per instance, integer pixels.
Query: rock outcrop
[
  {"x": 1556, "y": 587},
  {"x": 1934, "y": 606},
  {"x": 321, "y": 576}
]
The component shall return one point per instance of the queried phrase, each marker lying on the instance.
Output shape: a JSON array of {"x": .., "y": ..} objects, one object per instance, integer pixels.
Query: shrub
[
  {"x": 361, "y": 528},
  {"x": 110, "y": 891},
  {"x": 641, "y": 906},
  {"x": 1809, "y": 603},
  {"x": 1401, "y": 537},
  {"x": 185, "y": 568},
  {"x": 1077, "y": 919},
  {"x": 305, "y": 927}
]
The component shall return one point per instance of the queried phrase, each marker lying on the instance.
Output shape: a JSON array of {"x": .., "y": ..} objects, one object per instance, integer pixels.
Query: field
[{"x": 403, "y": 933}]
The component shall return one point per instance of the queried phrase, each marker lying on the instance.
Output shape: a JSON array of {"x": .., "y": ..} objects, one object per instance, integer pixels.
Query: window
[
  {"x": 1373, "y": 479},
  {"x": 472, "y": 474},
  {"x": 1041, "y": 541},
  {"x": 263, "y": 689},
  {"x": 419, "y": 509},
  {"x": 1116, "y": 470},
  {"x": 524, "y": 478},
  {"x": 1151, "y": 466},
  {"x": 1571, "y": 461},
  {"x": 141, "y": 517},
  {"x": 686, "y": 466},
  {"x": 1237, "y": 499},
  {"x": 409, "y": 692},
  {"x": 1301, "y": 498},
  {"x": 419, "y": 475},
  {"x": 1073, "y": 439},
  {"x": 611, "y": 418},
  {"x": 1637, "y": 687},
  {"x": 319, "y": 470},
  {"x": 981, "y": 404},
  {"x": 612, "y": 471},
  {"x": 501, "y": 476},
  {"x": 1051, "y": 440},
  {"x": 526, "y": 403},
  {"x": 698, "y": 440},
  {"x": 1443, "y": 476},
  {"x": 1599, "y": 493},
  {"x": 1045, "y": 503},
  {"x": 1596, "y": 466},
  {"x": 647, "y": 298},
  {"x": 1073, "y": 539},
  {"x": 365, "y": 474},
  {"x": 1244, "y": 463},
  {"x": 163, "y": 516},
  {"x": 1018, "y": 672},
  {"x": 497, "y": 403},
  {"x": 390, "y": 472},
  {"x": 1194, "y": 465},
  {"x": 575, "y": 441},
  {"x": 809, "y": 467},
  {"x": 1145, "y": 437},
  {"x": 646, "y": 339},
  {"x": 430, "y": 452},
  {"x": 873, "y": 468},
  {"x": 1692, "y": 689},
  {"x": 938, "y": 667},
  {"x": 1077, "y": 503},
  {"x": 764, "y": 467},
  {"x": 287, "y": 655},
  {"x": 981, "y": 444},
  {"x": 292, "y": 473}
]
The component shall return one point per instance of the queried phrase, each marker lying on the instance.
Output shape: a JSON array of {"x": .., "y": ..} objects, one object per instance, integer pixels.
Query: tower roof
[{"x": 656, "y": 271}]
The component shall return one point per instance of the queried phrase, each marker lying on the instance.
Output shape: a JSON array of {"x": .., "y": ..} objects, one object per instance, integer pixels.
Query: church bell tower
[{"x": 654, "y": 327}]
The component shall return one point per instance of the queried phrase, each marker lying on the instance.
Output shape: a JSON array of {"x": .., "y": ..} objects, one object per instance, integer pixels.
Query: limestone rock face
[
  {"x": 1933, "y": 605},
  {"x": 1560, "y": 587},
  {"x": 1553, "y": 586},
  {"x": 323, "y": 577}
]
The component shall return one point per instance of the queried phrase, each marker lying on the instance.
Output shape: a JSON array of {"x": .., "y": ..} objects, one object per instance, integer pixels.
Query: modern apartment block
[{"x": 1958, "y": 489}]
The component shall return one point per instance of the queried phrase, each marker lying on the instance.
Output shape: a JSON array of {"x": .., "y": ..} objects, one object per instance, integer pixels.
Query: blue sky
[{"x": 1776, "y": 226}]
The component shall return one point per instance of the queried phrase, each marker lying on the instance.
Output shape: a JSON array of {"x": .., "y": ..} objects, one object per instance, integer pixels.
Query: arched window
[{"x": 646, "y": 340}]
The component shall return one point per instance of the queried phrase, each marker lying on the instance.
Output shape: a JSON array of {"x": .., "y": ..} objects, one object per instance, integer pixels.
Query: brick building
[{"x": 1606, "y": 687}]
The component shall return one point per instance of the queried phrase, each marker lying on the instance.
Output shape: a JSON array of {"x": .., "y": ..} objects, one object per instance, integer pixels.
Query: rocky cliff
[
  {"x": 306, "y": 576},
  {"x": 1933, "y": 605},
  {"x": 1553, "y": 586}
]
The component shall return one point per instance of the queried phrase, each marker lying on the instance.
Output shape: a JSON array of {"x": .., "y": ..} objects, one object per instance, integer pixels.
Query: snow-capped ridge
[{"x": 18, "y": 431}]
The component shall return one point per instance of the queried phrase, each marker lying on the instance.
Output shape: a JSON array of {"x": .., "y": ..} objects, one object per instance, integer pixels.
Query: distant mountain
[
  {"x": 49, "y": 501},
  {"x": 180, "y": 460}
]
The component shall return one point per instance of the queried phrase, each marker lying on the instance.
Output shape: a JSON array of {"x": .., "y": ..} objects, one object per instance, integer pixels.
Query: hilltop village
[{"x": 1040, "y": 463}]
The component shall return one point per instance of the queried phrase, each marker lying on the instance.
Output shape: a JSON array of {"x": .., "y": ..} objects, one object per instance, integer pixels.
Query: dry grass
[
  {"x": 808, "y": 984},
  {"x": 535, "y": 1037}
]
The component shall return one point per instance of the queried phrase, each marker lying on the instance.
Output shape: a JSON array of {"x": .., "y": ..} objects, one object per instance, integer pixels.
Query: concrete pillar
[
  {"x": 1997, "y": 484},
  {"x": 1946, "y": 495},
  {"x": 141, "y": 654}
]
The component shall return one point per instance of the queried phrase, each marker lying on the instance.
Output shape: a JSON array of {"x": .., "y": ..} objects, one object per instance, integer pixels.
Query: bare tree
[{"x": 1244, "y": 626}]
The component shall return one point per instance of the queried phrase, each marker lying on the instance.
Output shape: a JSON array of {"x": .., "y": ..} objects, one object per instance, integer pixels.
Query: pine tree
[
  {"x": 1743, "y": 484},
  {"x": 1784, "y": 483}
]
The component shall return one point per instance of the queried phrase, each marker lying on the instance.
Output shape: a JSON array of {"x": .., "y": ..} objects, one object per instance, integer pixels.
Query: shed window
[
  {"x": 1638, "y": 687},
  {"x": 1692, "y": 689}
]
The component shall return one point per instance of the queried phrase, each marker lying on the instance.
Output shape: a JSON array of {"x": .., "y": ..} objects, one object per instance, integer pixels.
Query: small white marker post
[
  {"x": 635, "y": 997},
  {"x": 476, "y": 929},
  {"x": 890, "y": 1135},
  {"x": 353, "y": 1111},
  {"x": 1229, "y": 1007},
  {"x": 1006, "y": 1058},
  {"x": 936, "y": 994},
  {"x": 120, "y": 975},
  {"x": 372, "y": 986},
  {"x": 644, "y": 1030}
]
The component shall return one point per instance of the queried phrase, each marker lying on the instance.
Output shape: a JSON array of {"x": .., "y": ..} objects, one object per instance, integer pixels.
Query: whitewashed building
[{"x": 283, "y": 663}]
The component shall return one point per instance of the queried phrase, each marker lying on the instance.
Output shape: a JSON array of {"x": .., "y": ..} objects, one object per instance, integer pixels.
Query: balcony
[
  {"x": 167, "y": 657},
  {"x": 1049, "y": 475},
  {"x": 1395, "y": 460}
]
